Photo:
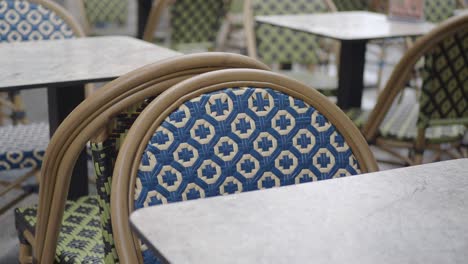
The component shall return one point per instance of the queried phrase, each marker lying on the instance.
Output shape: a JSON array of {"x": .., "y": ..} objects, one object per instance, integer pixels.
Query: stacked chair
[
  {"x": 279, "y": 46},
  {"x": 219, "y": 123},
  {"x": 85, "y": 234},
  {"x": 436, "y": 120},
  {"x": 22, "y": 145},
  {"x": 193, "y": 24}
]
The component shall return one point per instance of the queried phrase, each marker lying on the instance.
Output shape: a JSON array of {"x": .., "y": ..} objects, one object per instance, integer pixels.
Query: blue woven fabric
[
  {"x": 237, "y": 140},
  {"x": 23, "y": 21}
]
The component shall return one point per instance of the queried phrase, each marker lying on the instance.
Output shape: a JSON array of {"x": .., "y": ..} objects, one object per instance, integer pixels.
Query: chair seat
[
  {"x": 23, "y": 146},
  {"x": 400, "y": 123},
  {"x": 80, "y": 238}
]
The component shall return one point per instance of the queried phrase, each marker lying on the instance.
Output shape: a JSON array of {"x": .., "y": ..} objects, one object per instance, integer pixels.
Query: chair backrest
[
  {"x": 92, "y": 115},
  {"x": 436, "y": 11},
  {"x": 101, "y": 12},
  {"x": 227, "y": 132},
  {"x": 351, "y": 5},
  {"x": 26, "y": 20},
  {"x": 191, "y": 21},
  {"x": 444, "y": 93},
  {"x": 281, "y": 45}
]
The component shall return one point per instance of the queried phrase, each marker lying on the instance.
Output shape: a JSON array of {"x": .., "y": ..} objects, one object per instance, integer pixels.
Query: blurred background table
[
  {"x": 65, "y": 66},
  {"x": 353, "y": 29},
  {"x": 409, "y": 215}
]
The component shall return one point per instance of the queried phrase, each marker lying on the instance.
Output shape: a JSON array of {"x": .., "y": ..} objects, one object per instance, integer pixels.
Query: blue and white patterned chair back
[
  {"x": 26, "y": 20},
  {"x": 241, "y": 138}
]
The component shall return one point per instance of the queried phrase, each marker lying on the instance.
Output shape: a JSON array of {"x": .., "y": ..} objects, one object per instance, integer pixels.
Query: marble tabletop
[
  {"x": 59, "y": 62},
  {"x": 353, "y": 25},
  {"x": 409, "y": 215}
]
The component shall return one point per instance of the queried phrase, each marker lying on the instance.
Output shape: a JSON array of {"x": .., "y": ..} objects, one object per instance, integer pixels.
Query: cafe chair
[
  {"x": 193, "y": 24},
  {"x": 22, "y": 144},
  {"x": 282, "y": 46},
  {"x": 79, "y": 231},
  {"x": 352, "y": 5},
  {"x": 227, "y": 132},
  {"x": 436, "y": 120},
  {"x": 100, "y": 13}
]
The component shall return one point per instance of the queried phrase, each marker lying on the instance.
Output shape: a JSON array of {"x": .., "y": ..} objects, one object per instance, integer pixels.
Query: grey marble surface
[
  {"x": 58, "y": 62},
  {"x": 353, "y": 25},
  {"x": 409, "y": 215}
]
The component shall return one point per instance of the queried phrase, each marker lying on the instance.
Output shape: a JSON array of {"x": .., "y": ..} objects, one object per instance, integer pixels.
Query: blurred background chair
[
  {"x": 22, "y": 145},
  {"x": 434, "y": 117},
  {"x": 276, "y": 132},
  {"x": 282, "y": 47},
  {"x": 79, "y": 231},
  {"x": 193, "y": 24},
  {"x": 102, "y": 14}
]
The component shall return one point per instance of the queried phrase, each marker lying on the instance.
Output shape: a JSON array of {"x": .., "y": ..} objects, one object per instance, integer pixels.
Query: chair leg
[
  {"x": 25, "y": 254},
  {"x": 418, "y": 158}
]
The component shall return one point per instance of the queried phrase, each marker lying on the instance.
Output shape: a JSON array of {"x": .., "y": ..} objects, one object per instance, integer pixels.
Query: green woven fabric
[
  {"x": 80, "y": 238},
  {"x": 400, "y": 123},
  {"x": 196, "y": 21},
  {"x": 100, "y": 12},
  {"x": 282, "y": 45},
  {"x": 436, "y": 11},
  {"x": 349, "y": 5},
  {"x": 444, "y": 97},
  {"x": 104, "y": 155}
]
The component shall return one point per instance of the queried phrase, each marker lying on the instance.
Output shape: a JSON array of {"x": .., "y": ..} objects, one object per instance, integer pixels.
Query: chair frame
[
  {"x": 129, "y": 157},
  {"x": 397, "y": 82},
  {"x": 92, "y": 115}
]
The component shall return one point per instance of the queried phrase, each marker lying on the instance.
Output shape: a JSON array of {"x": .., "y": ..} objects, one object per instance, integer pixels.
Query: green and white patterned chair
[
  {"x": 104, "y": 13},
  {"x": 275, "y": 45},
  {"x": 193, "y": 24},
  {"x": 80, "y": 231},
  {"x": 437, "y": 118},
  {"x": 227, "y": 132},
  {"x": 22, "y": 145},
  {"x": 352, "y": 5}
]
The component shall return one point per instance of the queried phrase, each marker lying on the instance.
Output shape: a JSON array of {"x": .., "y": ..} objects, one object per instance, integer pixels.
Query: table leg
[
  {"x": 61, "y": 102},
  {"x": 351, "y": 73},
  {"x": 144, "y": 7}
]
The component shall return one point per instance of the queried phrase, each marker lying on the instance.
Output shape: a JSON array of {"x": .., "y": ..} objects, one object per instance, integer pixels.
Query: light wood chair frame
[
  {"x": 129, "y": 157},
  {"x": 397, "y": 82},
  {"x": 92, "y": 116}
]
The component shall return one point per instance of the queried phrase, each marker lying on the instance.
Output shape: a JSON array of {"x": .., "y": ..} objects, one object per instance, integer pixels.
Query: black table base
[
  {"x": 61, "y": 102},
  {"x": 351, "y": 73}
]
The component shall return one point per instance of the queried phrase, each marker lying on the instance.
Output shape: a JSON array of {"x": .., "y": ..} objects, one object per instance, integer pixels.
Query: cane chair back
[
  {"x": 351, "y": 5},
  {"x": 436, "y": 11},
  {"x": 192, "y": 23},
  {"x": 102, "y": 12},
  {"x": 90, "y": 120},
  {"x": 281, "y": 45},
  {"x": 441, "y": 112},
  {"x": 227, "y": 132}
]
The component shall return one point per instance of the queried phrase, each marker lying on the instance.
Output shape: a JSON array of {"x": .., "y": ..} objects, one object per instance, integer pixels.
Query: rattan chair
[
  {"x": 227, "y": 132},
  {"x": 100, "y": 13},
  {"x": 193, "y": 24},
  {"x": 22, "y": 145},
  {"x": 437, "y": 118},
  {"x": 282, "y": 46},
  {"x": 79, "y": 231}
]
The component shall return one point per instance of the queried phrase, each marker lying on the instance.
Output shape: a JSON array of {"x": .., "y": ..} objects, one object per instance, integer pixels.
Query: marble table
[
  {"x": 409, "y": 215},
  {"x": 65, "y": 66},
  {"x": 353, "y": 29}
]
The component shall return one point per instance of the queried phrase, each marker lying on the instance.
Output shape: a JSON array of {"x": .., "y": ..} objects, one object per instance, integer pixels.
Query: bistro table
[
  {"x": 409, "y": 215},
  {"x": 64, "y": 67},
  {"x": 353, "y": 29}
]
